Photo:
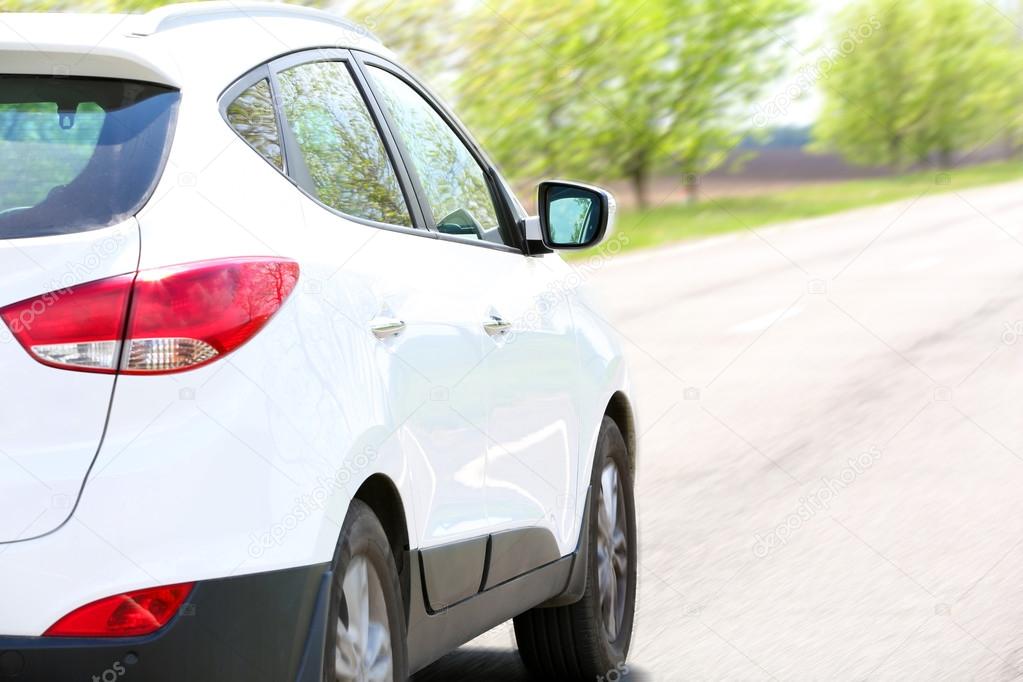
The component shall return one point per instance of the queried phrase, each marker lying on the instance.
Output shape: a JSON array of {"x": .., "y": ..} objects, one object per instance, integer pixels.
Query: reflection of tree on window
[
  {"x": 340, "y": 145},
  {"x": 455, "y": 185},
  {"x": 571, "y": 219},
  {"x": 252, "y": 115},
  {"x": 260, "y": 294}
]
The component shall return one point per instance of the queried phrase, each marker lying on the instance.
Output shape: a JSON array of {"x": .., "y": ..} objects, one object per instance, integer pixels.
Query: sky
[{"x": 776, "y": 107}]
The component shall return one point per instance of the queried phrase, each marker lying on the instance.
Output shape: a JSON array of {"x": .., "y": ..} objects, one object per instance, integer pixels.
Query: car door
[
  {"x": 533, "y": 379},
  {"x": 531, "y": 363},
  {"x": 404, "y": 336}
]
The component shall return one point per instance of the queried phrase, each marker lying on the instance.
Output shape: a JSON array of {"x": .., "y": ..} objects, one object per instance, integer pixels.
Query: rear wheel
[
  {"x": 366, "y": 640},
  {"x": 590, "y": 639}
]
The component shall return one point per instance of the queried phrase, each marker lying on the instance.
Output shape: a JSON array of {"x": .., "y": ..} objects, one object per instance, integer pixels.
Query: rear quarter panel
[{"x": 241, "y": 466}]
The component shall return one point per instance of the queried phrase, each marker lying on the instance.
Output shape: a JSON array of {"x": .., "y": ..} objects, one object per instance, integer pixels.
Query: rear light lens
[
  {"x": 131, "y": 614},
  {"x": 178, "y": 318},
  {"x": 78, "y": 327},
  {"x": 187, "y": 315}
]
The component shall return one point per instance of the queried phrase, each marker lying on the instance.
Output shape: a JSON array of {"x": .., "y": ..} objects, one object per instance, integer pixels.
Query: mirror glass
[{"x": 573, "y": 215}]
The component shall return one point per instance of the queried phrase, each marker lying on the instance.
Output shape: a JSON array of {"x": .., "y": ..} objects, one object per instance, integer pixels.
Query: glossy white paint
[
  {"x": 51, "y": 421},
  {"x": 249, "y": 464},
  {"x": 533, "y": 443}
]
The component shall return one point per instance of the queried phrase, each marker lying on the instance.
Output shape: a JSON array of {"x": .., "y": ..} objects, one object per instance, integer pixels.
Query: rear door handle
[
  {"x": 496, "y": 325},
  {"x": 386, "y": 327}
]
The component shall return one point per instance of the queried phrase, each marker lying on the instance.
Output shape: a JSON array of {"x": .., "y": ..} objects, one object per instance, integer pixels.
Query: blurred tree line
[
  {"x": 597, "y": 89},
  {"x": 604, "y": 89},
  {"x": 936, "y": 79},
  {"x": 616, "y": 90}
]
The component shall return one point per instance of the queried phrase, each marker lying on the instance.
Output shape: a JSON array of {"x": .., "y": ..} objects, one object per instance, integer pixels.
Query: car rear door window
[
  {"x": 252, "y": 116},
  {"x": 341, "y": 150},
  {"x": 78, "y": 153},
  {"x": 455, "y": 184}
]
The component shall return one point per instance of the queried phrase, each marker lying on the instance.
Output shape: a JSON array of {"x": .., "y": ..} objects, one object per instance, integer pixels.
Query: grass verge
[{"x": 680, "y": 222}]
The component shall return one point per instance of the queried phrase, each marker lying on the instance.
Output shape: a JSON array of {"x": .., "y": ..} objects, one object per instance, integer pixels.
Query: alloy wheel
[
  {"x": 612, "y": 551},
  {"x": 363, "y": 647}
]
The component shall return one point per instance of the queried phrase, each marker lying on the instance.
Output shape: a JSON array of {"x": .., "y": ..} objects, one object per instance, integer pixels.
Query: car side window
[
  {"x": 340, "y": 145},
  {"x": 455, "y": 185},
  {"x": 252, "y": 116}
]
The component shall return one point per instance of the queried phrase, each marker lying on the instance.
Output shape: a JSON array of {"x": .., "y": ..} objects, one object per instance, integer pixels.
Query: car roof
[{"x": 204, "y": 43}]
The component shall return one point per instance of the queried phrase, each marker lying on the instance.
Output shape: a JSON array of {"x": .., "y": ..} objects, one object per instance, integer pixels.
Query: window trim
[
  {"x": 409, "y": 183},
  {"x": 304, "y": 182},
  {"x": 267, "y": 71},
  {"x": 240, "y": 87},
  {"x": 160, "y": 168},
  {"x": 506, "y": 216}
]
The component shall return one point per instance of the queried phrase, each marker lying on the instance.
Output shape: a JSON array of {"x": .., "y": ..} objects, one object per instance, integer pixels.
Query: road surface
[{"x": 831, "y": 472}]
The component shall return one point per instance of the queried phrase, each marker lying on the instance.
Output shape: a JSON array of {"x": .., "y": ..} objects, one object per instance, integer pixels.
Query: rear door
[
  {"x": 400, "y": 303},
  {"x": 78, "y": 158},
  {"x": 531, "y": 366}
]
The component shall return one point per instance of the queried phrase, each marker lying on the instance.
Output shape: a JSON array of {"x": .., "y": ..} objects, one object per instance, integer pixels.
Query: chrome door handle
[
  {"x": 497, "y": 326},
  {"x": 386, "y": 327}
]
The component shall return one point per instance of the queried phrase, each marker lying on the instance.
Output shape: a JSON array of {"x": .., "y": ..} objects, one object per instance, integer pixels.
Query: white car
[{"x": 294, "y": 389}]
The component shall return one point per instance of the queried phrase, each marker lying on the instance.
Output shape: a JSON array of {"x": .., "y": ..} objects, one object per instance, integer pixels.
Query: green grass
[{"x": 679, "y": 222}]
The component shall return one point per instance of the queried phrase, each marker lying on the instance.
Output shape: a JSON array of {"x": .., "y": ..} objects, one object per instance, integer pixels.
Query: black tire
[
  {"x": 363, "y": 536},
  {"x": 570, "y": 642}
]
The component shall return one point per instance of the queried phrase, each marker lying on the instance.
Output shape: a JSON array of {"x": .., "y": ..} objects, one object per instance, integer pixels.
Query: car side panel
[
  {"x": 247, "y": 464},
  {"x": 534, "y": 420},
  {"x": 604, "y": 371}
]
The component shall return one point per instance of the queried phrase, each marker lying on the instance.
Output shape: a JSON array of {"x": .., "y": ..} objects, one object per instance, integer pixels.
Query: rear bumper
[{"x": 265, "y": 626}]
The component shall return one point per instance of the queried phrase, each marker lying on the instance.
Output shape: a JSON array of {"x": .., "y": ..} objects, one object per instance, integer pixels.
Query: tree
[
  {"x": 530, "y": 83},
  {"x": 602, "y": 89},
  {"x": 688, "y": 77},
  {"x": 1013, "y": 104},
  {"x": 422, "y": 32},
  {"x": 934, "y": 78}
]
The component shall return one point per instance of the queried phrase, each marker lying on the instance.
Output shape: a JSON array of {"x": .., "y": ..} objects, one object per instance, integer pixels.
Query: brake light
[
  {"x": 131, "y": 614},
  {"x": 156, "y": 321},
  {"x": 78, "y": 327}
]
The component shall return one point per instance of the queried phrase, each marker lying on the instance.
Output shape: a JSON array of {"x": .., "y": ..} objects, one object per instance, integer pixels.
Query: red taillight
[
  {"x": 180, "y": 317},
  {"x": 131, "y": 614},
  {"x": 78, "y": 328}
]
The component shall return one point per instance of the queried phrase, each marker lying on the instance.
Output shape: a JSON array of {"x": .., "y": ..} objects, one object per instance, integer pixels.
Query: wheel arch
[
  {"x": 382, "y": 496},
  {"x": 619, "y": 409}
]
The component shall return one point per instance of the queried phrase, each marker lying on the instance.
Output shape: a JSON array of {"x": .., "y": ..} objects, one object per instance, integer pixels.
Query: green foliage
[
  {"x": 422, "y": 32},
  {"x": 598, "y": 89},
  {"x": 933, "y": 78},
  {"x": 107, "y": 5},
  {"x": 81, "y": 5}
]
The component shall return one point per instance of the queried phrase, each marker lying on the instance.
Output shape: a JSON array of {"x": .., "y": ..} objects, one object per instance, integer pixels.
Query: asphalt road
[{"x": 831, "y": 472}]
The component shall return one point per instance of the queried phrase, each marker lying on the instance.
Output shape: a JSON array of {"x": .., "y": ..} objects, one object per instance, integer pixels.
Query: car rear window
[{"x": 78, "y": 153}]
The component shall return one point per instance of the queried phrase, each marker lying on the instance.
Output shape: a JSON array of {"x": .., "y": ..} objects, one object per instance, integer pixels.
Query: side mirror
[{"x": 573, "y": 215}]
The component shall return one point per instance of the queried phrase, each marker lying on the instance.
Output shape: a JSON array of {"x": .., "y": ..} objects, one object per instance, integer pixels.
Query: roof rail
[{"x": 184, "y": 14}]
